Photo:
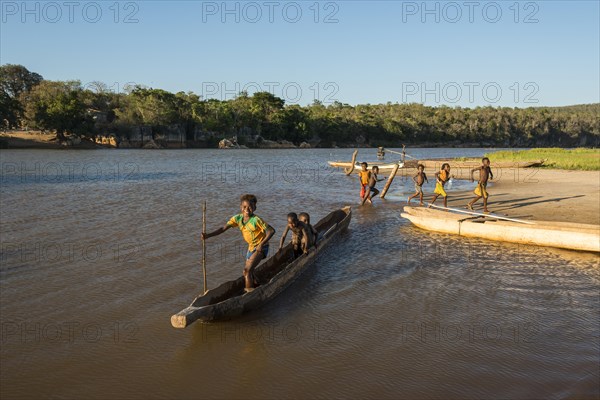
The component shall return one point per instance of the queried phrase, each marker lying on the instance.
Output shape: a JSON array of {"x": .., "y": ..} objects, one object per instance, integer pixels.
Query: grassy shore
[{"x": 574, "y": 159}]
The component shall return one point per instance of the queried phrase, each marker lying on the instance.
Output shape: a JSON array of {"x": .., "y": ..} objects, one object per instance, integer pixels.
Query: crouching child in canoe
[
  {"x": 256, "y": 233},
  {"x": 300, "y": 234},
  {"x": 311, "y": 240}
]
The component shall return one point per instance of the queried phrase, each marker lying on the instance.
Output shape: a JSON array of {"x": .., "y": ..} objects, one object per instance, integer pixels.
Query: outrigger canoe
[
  {"x": 476, "y": 162},
  {"x": 435, "y": 163},
  {"x": 383, "y": 167},
  {"x": 564, "y": 235},
  {"x": 277, "y": 272}
]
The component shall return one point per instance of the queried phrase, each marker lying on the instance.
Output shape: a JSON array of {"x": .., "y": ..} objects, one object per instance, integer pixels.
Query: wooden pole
[
  {"x": 348, "y": 171},
  {"x": 397, "y": 152},
  {"x": 489, "y": 215},
  {"x": 389, "y": 182},
  {"x": 204, "y": 246}
]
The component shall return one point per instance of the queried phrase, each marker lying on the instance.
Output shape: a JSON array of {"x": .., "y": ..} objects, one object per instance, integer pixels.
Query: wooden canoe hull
[
  {"x": 436, "y": 164},
  {"x": 228, "y": 300},
  {"x": 474, "y": 163},
  {"x": 565, "y": 235},
  {"x": 383, "y": 167}
]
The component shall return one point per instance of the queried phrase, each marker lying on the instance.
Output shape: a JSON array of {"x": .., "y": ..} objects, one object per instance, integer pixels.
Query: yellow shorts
[
  {"x": 439, "y": 189},
  {"x": 480, "y": 190}
]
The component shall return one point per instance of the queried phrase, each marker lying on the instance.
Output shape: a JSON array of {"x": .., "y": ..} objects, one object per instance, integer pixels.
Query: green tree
[
  {"x": 14, "y": 81},
  {"x": 57, "y": 106}
]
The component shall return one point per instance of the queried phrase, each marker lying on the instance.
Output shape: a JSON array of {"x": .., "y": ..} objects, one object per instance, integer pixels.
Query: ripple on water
[{"x": 389, "y": 311}]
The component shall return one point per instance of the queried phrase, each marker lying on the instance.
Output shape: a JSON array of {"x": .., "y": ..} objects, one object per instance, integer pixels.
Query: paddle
[
  {"x": 204, "y": 245},
  {"x": 397, "y": 152},
  {"x": 489, "y": 215}
]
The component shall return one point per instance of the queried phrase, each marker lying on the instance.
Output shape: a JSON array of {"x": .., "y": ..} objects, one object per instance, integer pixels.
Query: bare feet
[
  {"x": 421, "y": 204},
  {"x": 248, "y": 289},
  {"x": 485, "y": 210},
  {"x": 469, "y": 207}
]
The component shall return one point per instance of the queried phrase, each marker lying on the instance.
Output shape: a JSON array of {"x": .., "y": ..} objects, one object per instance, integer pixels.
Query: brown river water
[{"x": 100, "y": 248}]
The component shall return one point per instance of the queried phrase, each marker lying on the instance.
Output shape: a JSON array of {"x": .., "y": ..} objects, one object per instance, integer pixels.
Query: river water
[{"x": 100, "y": 248}]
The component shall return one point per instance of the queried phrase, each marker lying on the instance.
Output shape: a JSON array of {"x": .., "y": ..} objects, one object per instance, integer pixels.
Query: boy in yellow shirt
[
  {"x": 256, "y": 233},
  {"x": 441, "y": 178},
  {"x": 364, "y": 175}
]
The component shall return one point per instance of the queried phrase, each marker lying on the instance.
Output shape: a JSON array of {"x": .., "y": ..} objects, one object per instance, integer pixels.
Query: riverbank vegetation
[
  {"x": 571, "y": 159},
  {"x": 67, "y": 108}
]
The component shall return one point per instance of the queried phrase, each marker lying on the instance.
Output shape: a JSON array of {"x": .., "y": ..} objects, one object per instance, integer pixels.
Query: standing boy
[{"x": 256, "y": 233}]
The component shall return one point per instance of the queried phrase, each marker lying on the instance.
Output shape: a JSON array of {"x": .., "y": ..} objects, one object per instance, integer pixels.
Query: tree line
[{"x": 67, "y": 108}]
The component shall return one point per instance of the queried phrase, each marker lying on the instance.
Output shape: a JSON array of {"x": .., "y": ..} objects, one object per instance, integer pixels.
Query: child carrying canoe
[
  {"x": 419, "y": 179},
  {"x": 370, "y": 190},
  {"x": 299, "y": 235},
  {"x": 441, "y": 178},
  {"x": 485, "y": 173},
  {"x": 256, "y": 233}
]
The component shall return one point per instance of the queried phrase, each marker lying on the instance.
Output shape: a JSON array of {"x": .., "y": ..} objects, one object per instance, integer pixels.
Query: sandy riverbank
[
  {"x": 541, "y": 194},
  {"x": 28, "y": 140},
  {"x": 39, "y": 140}
]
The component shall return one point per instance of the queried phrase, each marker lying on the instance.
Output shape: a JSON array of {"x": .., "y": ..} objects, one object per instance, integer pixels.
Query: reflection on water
[{"x": 93, "y": 267}]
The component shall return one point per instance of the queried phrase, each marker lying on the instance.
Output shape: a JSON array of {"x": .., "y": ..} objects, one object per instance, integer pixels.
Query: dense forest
[{"x": 27, "y": 101}]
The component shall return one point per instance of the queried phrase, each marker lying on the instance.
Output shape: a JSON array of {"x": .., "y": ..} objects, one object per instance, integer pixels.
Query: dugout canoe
[
  {"x": 383, "y": 167},
  {"x": 476, "y": 162},
  {"x": 436, "y": 164},
  {"x": 229, "y": 300},
  {"x": 566, "y": 235}
]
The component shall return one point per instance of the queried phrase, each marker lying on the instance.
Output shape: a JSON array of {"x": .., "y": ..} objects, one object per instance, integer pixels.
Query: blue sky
[{"x": 478, "y": 53}]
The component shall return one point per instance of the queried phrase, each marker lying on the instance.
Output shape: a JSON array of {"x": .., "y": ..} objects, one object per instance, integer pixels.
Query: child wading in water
[
  {"x": 370, "y": 190},
  {"x": 364, "y": 175},
  {"x": 441, "y": 178},
  {"x": 256, "y": 233},
  {"x": 485, "y": 173},
  {"x": 419, "y": 179},
  {"x": 300, "y": 235}
]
